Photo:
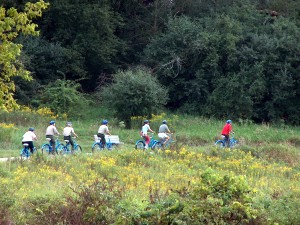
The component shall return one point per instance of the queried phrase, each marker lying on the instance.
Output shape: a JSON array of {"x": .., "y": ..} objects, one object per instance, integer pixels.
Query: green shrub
[
  {"x": 63, "y": 96},
  {"x": 6, "y": 131},
  {"x": 218, "y": 200},
  {"x": 134, "y": 93}
]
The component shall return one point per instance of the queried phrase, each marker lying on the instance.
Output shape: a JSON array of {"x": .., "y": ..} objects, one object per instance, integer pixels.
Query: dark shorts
[
  {"x": 69, "y": 139},
  {"x": 30, "y": 145},
  {"x": 102, "y": 137}
]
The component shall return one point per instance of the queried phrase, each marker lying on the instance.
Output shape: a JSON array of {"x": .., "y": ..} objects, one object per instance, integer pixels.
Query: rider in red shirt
[{"x": 227, "y": 129}]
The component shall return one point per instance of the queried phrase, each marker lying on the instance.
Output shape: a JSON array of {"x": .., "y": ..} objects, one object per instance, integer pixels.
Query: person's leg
[
  {"x": 30, "y": 145},
  {"x": 167, "y": 138},
  {"x": 227, "y": 141},
  {"x": 72, "y": 143},
  {"x": 69, "y": 139},
  {"x": 103, "y": 141},
  {"x": 52, "y": 143},
  {"x": 147, "y": 141}
]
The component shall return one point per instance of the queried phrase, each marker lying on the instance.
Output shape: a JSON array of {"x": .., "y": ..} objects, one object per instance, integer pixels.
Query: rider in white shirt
[
  {"x": 102, "y": 131},
  {"x": 50, "y": 132},
  {"x": 163, "y": 131},
  {"x": 68, "y": 132},
  {"x": 145, "y": 129},
  {"x": 28, "y": 138}
]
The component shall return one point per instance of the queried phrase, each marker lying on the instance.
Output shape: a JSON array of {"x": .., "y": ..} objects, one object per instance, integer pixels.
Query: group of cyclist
[
  {"x": 103, "y": 130},
  {"x": 51, "y": 131},
  {"x": 163, "y": 132}
]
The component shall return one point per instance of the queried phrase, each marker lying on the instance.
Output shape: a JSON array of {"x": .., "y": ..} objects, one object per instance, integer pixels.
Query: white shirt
[
  {"x": 29, "y": 136},
  {"x": 103, "y": 129},
  {"x": 145, "y": 129},
  {"x": 51, "y": 130},
  {"x": 68, "y": 131}
]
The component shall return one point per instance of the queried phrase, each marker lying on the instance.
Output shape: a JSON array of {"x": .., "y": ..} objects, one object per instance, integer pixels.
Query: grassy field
[{"x": 193, "y": 182}]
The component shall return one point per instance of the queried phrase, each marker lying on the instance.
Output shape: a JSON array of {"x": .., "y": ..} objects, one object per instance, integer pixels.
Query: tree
[
  {"x": 12, "y": 24},
  {"x": 134, "y": 93},
  {"x": 63, "y": 96},
  {"x": 87, "y": 30},
  {"x": 230, "y": 64}
]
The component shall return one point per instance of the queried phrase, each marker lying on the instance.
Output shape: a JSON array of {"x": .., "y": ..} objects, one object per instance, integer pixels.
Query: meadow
[{"x": 193, "y": 182}]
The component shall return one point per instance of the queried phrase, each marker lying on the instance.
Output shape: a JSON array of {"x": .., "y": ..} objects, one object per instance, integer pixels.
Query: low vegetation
[{"x": 193, "y": 182}]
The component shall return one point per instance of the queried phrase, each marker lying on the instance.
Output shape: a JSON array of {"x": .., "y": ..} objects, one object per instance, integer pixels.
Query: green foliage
[
  {"x": 87, "y": 30},
  {"x": 49, "y": 61},
  {"x": 63, "y": 96},
  {"x": 184, "y": 185},
  {"x": 12, "y": 24},
  {"x": 230, "y": 64},
  {"x": 6, "y": 132},
  {"x": 218, "y": 200},
  {"x": 134, "y": 93}
]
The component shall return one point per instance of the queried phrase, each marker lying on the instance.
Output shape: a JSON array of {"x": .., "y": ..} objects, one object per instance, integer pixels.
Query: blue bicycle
[
  {"x": 47, "y": 148},
  {"x": 160, "y": 145},
  {"x": 98, "y": 145},
  {"x": 222, "y": 143},
  {"x": 25, "y": 152},
  {"x": 154, "y": 144},
  {"x": 68, "y": 148}
]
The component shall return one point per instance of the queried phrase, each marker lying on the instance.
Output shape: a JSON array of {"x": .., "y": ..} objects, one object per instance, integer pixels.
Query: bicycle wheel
[
  {"x": 220, "y": 143},
  {"x": 140, "y": 145},
  {"x": 233, "y": 143},
  {"x": 156, "y": 146},
  {"x": 97, "y": 147},
  {"x": 60, "y": 149},
  {"x": 46, "y": 149},
  {"x": 77, "y": 149},
  {"x": 24, "y": 153},
  {"x": 112, "y": 146}
]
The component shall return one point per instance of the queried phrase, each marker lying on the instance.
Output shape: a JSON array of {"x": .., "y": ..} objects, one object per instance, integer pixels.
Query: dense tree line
[{"x": 237, "y": 58}]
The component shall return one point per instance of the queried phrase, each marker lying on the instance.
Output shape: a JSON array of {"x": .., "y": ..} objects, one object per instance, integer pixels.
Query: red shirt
[{"x": 226, "y": 129}]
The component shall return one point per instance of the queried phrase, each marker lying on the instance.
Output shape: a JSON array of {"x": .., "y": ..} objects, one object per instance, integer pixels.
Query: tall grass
[
  {"x": 153, "y": 188},
  {"x": 188, "y": 130},
  {"x": 132, "y": 183}
]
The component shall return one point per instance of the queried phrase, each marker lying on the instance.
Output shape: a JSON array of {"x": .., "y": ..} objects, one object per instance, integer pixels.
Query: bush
[
  {"x": 134, "y": 93},
  {"x": 6, "y": 131},
  {"x": 218, "y": 200},
  {"x": 63, "y": 96}
]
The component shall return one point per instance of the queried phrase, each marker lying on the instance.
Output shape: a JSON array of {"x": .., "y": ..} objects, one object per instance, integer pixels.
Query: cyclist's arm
[
  {"x": 55, "y": 131},
  {"x": 169, "y": 132},
  {"x": 107, "y": 132}
]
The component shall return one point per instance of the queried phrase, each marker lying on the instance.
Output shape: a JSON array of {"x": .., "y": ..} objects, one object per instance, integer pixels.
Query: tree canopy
[
  {"x": 134, "y": 92},
  {"x": 236, "y": 59},
  {"x": 13, "y": 24}
]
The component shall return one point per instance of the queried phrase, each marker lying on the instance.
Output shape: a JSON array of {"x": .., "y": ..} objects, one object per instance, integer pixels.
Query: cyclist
[
  {"x": 28, "y": 138},
  {"x": 145, "y": 129},
  {"x": 163, "y": 131},
  {"x": 50, "y": 132},
  {"x": 68, "y": 131},
  {"x": 227, "y": 129},
  {"x": 102, "y": 131}
]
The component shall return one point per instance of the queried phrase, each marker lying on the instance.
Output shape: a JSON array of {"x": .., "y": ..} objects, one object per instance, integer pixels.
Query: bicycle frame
[
  {"x": 222, "y": 143},
  {"x": 162, "y": 140},
  {"x": 140, "y": 144},
  {"x": 47, "y": 147},
  {"x": 25, "y": 152},
  {"x": 98, "y": 145},
  {"x": 67, "y": 147}
]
